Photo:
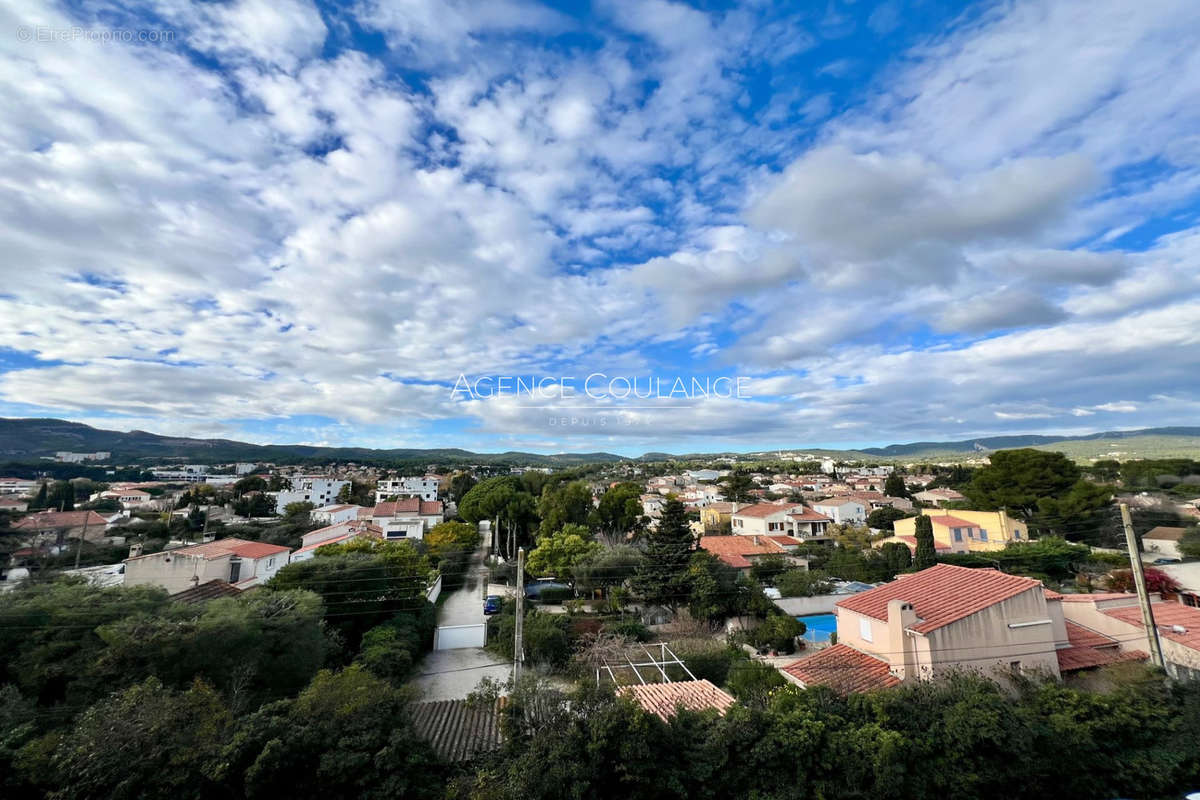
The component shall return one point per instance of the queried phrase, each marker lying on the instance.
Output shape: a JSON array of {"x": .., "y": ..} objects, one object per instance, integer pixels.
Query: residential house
[
  {"x": 13, "y": 504},
  {"x": 425, "y": 487},
  {"x": 968, "y": 531},
  {"x": 56, "y": 527},
  {"x": 315, "y": 489},
  {"x": 1162, "y": 542},
  {"x": 911, "y": 543},
  {"x": 407, "y": 518},
  {"x": 947, "y": 618},
  {"x": 239, "y": 562},
  {"x": 333, "y": 514},
  {"x": 740, "y": 552},
  {"x": 129, "y": 498},
  {"x": 842, "y": 510},
  {"x": 338, "y": 533},
  {"x": 784, "y": 518},
  {"x": 939, "y": 497},
  {"x": 1119, "y": 617},
  {"x": 1187, "y": 575},
  {"x": 652, "y": 505},
  {"x": 715, "y": 518},
  {"x": 21, "y": 486},
  {"x": 874, "y": 500}
]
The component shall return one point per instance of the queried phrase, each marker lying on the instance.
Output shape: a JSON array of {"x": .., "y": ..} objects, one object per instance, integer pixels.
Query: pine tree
[
  {"x": 894, "y": 486},
  {"x": 662, "y": 579},
  {"x": 40, "y": 500},
  {"x": 926, "y": 552}
]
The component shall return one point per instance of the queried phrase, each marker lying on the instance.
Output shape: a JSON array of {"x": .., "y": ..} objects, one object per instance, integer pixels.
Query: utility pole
[
  {"x": 519, "y": 628},
  {"x": 1139, "y": 580},
  {"x": 82, "y": 536}
]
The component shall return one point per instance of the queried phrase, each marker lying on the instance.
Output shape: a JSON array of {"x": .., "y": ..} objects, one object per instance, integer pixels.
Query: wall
[
  {"x": 434, "y": 591},
  {"x": 800, "y": 606},
  {"x": 985, "y": 641},
  {"x": 175, "y": 574}
]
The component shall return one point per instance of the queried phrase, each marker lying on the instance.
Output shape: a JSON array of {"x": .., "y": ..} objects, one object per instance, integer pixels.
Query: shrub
[
  {"x": 707, "y": 659},
  {"x": 629, "y": 628},
  {"x": 554, "y": 595},
  {"x": 752, "y": 681},
  {"x": 802, "y": 583},
  {"x": 778, "y": 632}
]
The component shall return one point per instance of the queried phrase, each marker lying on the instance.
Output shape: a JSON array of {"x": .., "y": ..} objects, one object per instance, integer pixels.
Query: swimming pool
[{"x": 819, "y": 627}]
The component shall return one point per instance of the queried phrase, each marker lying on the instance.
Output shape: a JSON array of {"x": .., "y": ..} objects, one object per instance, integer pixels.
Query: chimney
[
  {"x": 900, "y": 616},
  {"x": 135, "y": 549}
]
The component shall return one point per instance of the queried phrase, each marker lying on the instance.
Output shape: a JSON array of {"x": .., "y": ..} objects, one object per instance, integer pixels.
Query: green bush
[
  {"x": 802, "y": 583},
  {"x": 707, "y": 659},
  {"x": 629, "y": 628},
  {"x": 554, "y": 596},
  {"x": 752, "y": 681},
  {"x": 778, "y": 632}
]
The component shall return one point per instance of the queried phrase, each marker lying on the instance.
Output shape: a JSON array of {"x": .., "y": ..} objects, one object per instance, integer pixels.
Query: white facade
[
  {"x": 243, "y": 468},
  {"x": 75, "y": 458},
  {"x": 236, "y": 561},
  {"x": 425, "y": 488},
  {"x": 843, "y": 512},
  {"x": 310, "y": 489},
  {"x": 334, "y": 514}
]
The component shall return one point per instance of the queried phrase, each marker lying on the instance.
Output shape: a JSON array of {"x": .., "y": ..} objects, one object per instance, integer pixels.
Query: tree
[
  {"x": 884, "y": 518},
  {"x": 250, "y": 483},
  {"x": 894, "y": 486},
  {"x": 926, "y": 555},
  {"x": 897, "y": 555},
  {"x": 620, "y": 510},
  {"x": 62, "y": 496},
  {"x": 41, "y": 499},
  {"x": 1018, "y": 479},
  {"x": 559, "y": 553},
  {"x": 296, "y": 511},
  {"x": 449, "y": 537},
  {"x": 766, "y": 569},
  {"x": 738, "y": 486},
  {"x": 715, "y": 591},
  {"x": 803, "y": 583},
  {"x": 1121, "y": 580},
  {"x": 609, "y": 567},
  {"x": 460, "y": 484},
  {"x": 359, "y": 493},
  {"x": 663, "y": 578},
  {"x": 503, "y": 501},
  {"x": 568, "y": 504},
  {"x": 255, "y": 504},
  {"x": 1189, "y": 543}
]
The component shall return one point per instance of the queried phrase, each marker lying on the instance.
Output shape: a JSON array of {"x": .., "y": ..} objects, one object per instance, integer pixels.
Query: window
[
  {"x": 958, "y": 534},
  {"x": 1016, "y": 533},
  {"x": 270, "y": 562},
  {"x": 864, "y": 629},
  {"x": 982, "y": 535}
]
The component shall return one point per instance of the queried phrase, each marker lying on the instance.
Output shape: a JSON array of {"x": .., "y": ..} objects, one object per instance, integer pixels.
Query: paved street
[{"x": 453, "y": 674}]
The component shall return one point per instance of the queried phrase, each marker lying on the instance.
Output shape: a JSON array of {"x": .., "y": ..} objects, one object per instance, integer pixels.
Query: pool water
[{"x": 819, "y": 627}]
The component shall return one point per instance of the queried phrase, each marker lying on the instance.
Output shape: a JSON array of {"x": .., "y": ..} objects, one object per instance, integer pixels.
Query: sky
[{"x": 280, "y": 221}]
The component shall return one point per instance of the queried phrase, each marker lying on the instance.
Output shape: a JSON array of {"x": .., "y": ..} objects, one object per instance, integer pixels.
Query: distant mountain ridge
[{"x": 31, "y": 439}]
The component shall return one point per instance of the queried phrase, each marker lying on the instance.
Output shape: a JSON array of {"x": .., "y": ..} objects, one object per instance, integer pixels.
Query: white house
[
  {"x": 774, "y": 519},
  {"x": 425, "y": 488},
  {"x": 842, "y": 510},
  {"x": 315, "y": 489},
  {"x": 236, "y": 561},
  {"x": 129, "y": 498},
  {"x": 1162, "y": 542},
  {"x": 333, "y": 514},
  {"x": 408, "y": 518},
  {"x": 938, "y": 497},
  {"x": 340, "y": 533},
  {"x": 17, "y": 486}
]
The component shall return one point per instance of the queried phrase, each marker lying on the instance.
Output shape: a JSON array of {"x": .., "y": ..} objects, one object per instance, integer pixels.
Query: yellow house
[
  {"x": 717, "y": 518},
  {"x": 968, "y": 531}
]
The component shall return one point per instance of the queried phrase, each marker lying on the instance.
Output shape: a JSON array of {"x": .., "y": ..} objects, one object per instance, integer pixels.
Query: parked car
[
  {"x": 1166, "y": 560},
  {"x": 533, "y": 591},
  {"x": 491, "y": 604}
]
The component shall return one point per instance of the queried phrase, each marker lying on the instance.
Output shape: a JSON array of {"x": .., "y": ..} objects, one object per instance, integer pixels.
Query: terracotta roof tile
[
  {"x": 224, "y": 547},
  {"x": 764, "y": 510},
  {"x": 843, "y": 669},
  {"x": 1096, "y": 596},
  {"x": 1079, "y": 636},
  {"x": 1075, "y": 658},
  {"x": 1164, "y": 533},
  {"x": 1166, "y": 616},
  {"x": 44, "y": 520},
  {"x": 941, "y": 594},
  {"x": 664, "y": 698},
  {"x": 953, "y": 522},
  {"x": 206, "y": 591}
]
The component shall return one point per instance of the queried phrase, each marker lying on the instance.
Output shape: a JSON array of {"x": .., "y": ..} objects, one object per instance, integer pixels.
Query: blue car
[{"x": 491, "y": 605}]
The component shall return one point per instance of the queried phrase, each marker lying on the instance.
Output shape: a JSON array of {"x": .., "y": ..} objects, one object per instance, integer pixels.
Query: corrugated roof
[
  {"x": 664, "y": 698},
  {"x": 941, "y": 594},
  {"x": 458, "y": 730},
  {"x": 843, "y": 669}
]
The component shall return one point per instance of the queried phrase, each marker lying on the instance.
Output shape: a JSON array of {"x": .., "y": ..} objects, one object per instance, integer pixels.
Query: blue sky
[{"x": 288, "y": 222}]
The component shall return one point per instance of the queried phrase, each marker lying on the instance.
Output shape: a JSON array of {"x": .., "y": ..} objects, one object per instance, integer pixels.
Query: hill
[{"x": 1144, "y": 443}]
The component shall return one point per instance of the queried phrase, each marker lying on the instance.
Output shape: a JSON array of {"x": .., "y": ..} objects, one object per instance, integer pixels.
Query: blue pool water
[{"x": 819, "y": 626}]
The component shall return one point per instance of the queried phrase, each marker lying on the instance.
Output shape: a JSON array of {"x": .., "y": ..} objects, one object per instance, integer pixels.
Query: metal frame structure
[{"x": 659, "y": 664}]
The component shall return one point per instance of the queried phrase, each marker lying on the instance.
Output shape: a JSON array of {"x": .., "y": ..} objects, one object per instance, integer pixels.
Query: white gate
[{"x": 456, "y": 637}]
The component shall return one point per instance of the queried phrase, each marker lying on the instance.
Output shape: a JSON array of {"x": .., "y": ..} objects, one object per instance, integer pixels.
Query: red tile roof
[
  {"x": 407, "y": 505},
  {"x": 664, "y": 698},
  {"x": 1080, "y": 636},
  {"x": 734, "y": 549},
  {"x": 765, "y": 509},
  {"x": 808, "y": 515},
  {"x": 953, "y": 522},
  {"x": 224, "y": 547},
  {"x": 1096, "y": 596},
  {"x": 1075, "y": 658},
  {"x": 843, "y": 669},
  {"x": 1164, "y": 533},
  {"x": 206, "y": 591},
  {"x": 941, "y": 594},
  {"x": 45, "y": 520},
  {"x": 1166, "y": 615}
]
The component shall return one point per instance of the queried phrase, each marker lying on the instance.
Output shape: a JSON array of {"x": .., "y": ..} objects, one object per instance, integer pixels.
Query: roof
[
  {"x": 1097, "y": 596},
  {"x": 1164, "y": 533},
  {"x": 808, "y": 515},
  {"x": 1079, "y": 636},
  {"x": 720, "y": 507},
  {"x": 458, "y": 730},
  {"x": 221, "y": 548},
  {"x": 949, "y": 494},
  {"x": 407, "y": 505},
  {"x": 333, "y": 508},
  {"x": 664, "y": 698},
  {"x": 206, "y": 591},
  {"x": 953, "y": 522},
  {"x": 1076, "y": 658},
  {"x": 836, "y": 502},
  {"x": 941, "y": 594},
  {"x": 59, "y": 519},
  {"x": 734, "y": 549},
  {"x": 1166, "y": 615},
  {"x": 843, "y": 669},
  {"x": 764, "y": 510}
]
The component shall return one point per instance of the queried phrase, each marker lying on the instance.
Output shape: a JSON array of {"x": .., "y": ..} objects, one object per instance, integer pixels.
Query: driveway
[{"x": 453, "y": 674}]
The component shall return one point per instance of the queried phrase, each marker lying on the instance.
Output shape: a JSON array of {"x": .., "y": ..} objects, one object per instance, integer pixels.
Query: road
[{"x": 453, "y": 674}]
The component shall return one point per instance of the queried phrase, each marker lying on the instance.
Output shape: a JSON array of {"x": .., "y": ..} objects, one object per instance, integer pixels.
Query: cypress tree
[
  {"x": 662, "y": 579},
  {"x": 40, "y": 500},
  {"x": 926, "y": 552}
]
